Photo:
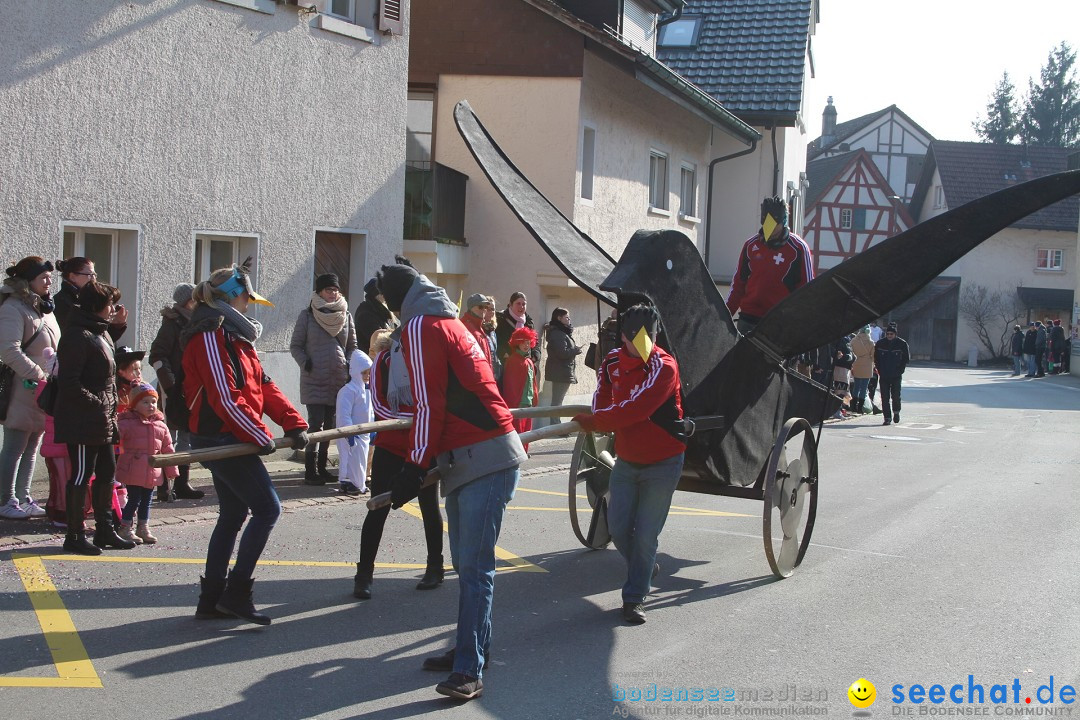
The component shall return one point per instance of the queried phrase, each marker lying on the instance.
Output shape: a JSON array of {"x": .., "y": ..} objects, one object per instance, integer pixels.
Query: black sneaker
[
  {"x": 348, "y": 489},
  {"x": 896, "y": 417},
  {"x": 633, "y": 613},
  {"x": 445, "y": 662},
  {"x": 461, "y": 687}
]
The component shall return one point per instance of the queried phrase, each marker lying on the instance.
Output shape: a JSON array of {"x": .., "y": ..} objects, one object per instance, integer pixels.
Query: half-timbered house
[{"x": 850, "y": 208}]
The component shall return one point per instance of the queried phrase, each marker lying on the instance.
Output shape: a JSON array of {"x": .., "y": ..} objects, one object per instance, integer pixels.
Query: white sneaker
[
  {"x": 32, "y": 509},
  {"x": 12, "y": 511}
]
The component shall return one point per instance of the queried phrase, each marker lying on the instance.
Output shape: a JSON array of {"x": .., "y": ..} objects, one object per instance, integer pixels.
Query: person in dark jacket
[
  {"x": 228, "y": 393},
  {"x": 372, "y": 315},
  {"x": 1057, "y": 346},
  {"x": 843, "y": 359},
  {"x": 1040, "y": 349},
  {"x": 75, "y": 273},
  {"x": 560, "y": 366},
  {"x": 167, "y": 361},
  {"x": 891, "y": 356},
  {"x": 509, "y": 320},
  {"x": 1017, "y": 350},
  {"x": 1029, "y": 349},
  {"x": 87, "y": 393},
  {"x": 323, "y": 339}
]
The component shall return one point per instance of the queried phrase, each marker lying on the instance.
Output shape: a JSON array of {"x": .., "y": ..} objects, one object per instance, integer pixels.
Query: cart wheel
[
  {"x": 589, "y": 472},
  {"x": 788, "y": 520}
]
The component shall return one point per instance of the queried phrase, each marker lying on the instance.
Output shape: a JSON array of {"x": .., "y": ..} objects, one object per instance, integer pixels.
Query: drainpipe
[
  {"x": 775, "y": 165},
  {"x": 709, "y": 194}
]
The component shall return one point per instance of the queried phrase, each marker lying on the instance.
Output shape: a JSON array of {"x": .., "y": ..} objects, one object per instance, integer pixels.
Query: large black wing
[
  {"x": 573, "y": 251},
  {"x": 872, "y": 283}
]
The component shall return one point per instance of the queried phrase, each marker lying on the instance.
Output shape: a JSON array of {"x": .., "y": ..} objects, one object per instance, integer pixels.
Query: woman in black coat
[
  {"x": 372, "y": 315},
  {"x": 87, "y": 423},
  {"x": 509, "y": 320},
  {"x": 562, "y": 352},
  {"x": 76, "y": 273},
  {"x": 166, "y": 359}
]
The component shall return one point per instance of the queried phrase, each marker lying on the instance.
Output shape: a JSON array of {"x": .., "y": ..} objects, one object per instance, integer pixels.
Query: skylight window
[{"x": 683, "y": 32}]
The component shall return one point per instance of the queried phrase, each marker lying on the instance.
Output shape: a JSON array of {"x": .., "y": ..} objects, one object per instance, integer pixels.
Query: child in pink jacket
[{"x": 143, "y": 433}]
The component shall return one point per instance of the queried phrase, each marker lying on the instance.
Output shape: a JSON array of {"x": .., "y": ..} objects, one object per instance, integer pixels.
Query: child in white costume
[{"x": 353, "y": 408}]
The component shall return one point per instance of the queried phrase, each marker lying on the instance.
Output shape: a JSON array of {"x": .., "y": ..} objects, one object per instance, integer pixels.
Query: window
[
  {"x": 214, "y": 251},
  {"x": 114, "y": 249},
  {"x": 939, "y": 197},
  {"x": 683, "y": 33},
  {"x": 588, "y": 157},
  {"x": 418, "y": 127},
  {"x": 99, "y": 245},
  {"x": 343, "y": 9},
  {"x": 688, "y": 191},
  {"x": 845, "y": 219},
  {"x": 1049, "y": 259},
  {"x": 859, "y": 219},
  {"x": 355, "y": 18},
  {"x": 658, "y": 180}
]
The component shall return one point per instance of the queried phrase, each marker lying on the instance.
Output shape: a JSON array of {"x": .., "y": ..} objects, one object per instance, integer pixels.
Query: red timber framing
[{"x": 857, "y": 210}]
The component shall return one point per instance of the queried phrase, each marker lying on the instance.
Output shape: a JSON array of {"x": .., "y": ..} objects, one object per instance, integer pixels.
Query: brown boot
[
  {"x": 125, "y": 533},
  {"x": 142, "y": 534}
]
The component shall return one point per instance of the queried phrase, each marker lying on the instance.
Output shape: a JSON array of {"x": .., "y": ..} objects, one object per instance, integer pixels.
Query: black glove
[
  {"x": 406, "y": 485},
  {"x": 299, "y": 438},
  {"x": 307, "y": 365},
  {"x": 268, "y": 448}
]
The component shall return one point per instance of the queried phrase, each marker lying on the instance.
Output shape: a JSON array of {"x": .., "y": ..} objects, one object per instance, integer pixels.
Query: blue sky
[{"x": 937, "y": 60}]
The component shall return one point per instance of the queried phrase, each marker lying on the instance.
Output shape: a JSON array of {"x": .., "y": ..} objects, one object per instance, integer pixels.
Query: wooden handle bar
[
  {"x": 238, "y": 449},
  {"x": 566, "y": 428}
]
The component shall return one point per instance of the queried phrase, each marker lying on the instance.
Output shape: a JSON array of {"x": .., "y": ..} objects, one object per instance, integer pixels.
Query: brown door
[{"x": 332, "y": 255}]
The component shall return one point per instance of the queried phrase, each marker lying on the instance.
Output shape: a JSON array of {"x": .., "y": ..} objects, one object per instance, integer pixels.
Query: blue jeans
[
  {"x": 637, "y": 510},
  {"x": 241, "y": 484},
  {"x": 1032, "y": 369},
  {"x": 139, "y": 499},
  {"x": 858, "y": 393},
  {"x": 17, "y": 459},
  {"x": 474, "y": 514},
  {"x": 1018, "y": 364}
]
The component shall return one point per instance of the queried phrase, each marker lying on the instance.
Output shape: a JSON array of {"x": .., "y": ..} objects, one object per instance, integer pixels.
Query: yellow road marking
[
  {"x": 518, "y": 564},
  {"x": 73, "y": 666}
]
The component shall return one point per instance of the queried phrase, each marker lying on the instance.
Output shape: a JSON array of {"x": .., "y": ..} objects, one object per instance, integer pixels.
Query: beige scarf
[{"x": 330, "y": 316}]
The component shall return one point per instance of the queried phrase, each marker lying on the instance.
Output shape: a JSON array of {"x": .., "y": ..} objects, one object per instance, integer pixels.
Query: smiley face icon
[{"x": 862, "y": 693}]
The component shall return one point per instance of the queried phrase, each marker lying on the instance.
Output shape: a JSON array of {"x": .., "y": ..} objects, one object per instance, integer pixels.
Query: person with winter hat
[
  {"x": 167, "y": 361},
  {"x": 323, "y": 339},
  {"x": 863, "y": 368},
  {"x": 463, "y": 426},
  {"x": 28, "y": 329},
  {"x": 143, "y": 433},
  {"x": 128, "y": 374},
  {"x": 891, "y": 356},
  {"x": 521, "y": 382},
  {"x": 372, "y": 315},
  {"x": 473, "y": 319},
  {"x": 354, "y": 408},
  {"x": 639, "y": 398},
  {"x": 228, "y": 392},
  {"x": 86, "y": 391}
]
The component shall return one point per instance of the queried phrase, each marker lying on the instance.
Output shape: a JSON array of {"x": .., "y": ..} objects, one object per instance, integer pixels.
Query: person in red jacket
[
  {"x": 521, "y": 383},
  {"x": 391, "y": 447},
  {"x": 462, "y": 425},
  {"x": 773, "y": 264},
  {"x": 228, "y": 393},
  {"x": 638, "y": 398}
]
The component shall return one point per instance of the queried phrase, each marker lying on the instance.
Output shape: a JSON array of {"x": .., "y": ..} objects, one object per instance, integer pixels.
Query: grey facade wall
[{"x": 167, "y": 117}]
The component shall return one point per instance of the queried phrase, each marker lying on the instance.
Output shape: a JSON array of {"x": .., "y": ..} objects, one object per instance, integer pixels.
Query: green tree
[
  {"x": 1001, "y": 125},
  {"x": 1052, "y": 111}
]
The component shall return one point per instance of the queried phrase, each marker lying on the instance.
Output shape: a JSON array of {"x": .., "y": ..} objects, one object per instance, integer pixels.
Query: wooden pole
[
  {"x": 566, "y": 428},
  {"x": 238, "y": 449}
]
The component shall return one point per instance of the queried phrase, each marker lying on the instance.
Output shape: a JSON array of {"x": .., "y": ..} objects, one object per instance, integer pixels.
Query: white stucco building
[{"x": 164, "y": 138}]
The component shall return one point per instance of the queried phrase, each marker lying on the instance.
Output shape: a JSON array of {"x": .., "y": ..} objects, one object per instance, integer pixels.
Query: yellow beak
[
  {"x": 643, "y": 344},
  {"x": 768, "y": 225}
]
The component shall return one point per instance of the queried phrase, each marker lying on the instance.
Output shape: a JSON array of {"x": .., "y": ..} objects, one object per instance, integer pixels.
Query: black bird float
[{"x": 743, "y": 378}]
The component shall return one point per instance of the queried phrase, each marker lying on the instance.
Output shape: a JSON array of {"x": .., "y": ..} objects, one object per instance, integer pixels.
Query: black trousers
[
  {"x": 98, "y": 461},
  {"x": 890, "y": 395},
  {"x": 320, "y": 417},
  {"x": 385, "y": 466}
]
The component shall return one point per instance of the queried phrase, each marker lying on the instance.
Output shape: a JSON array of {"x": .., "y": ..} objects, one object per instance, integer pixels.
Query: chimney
[{"x": 828, "y": 123}]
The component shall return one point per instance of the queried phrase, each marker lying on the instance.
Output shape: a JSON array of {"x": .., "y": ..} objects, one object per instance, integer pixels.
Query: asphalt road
[{"x": 945, "y": 547}]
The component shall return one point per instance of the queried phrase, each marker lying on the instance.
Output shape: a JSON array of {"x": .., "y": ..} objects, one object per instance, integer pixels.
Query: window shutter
[{"x": 390, "y": 17}]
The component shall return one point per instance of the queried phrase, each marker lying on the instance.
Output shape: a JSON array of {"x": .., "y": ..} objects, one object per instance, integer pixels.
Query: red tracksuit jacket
[
  {"x": 457, "y": 400},
  {"x": 228, "y": 392},
  {"x": 766, "y": 275},
  {"x": 632, "y": 397}
]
